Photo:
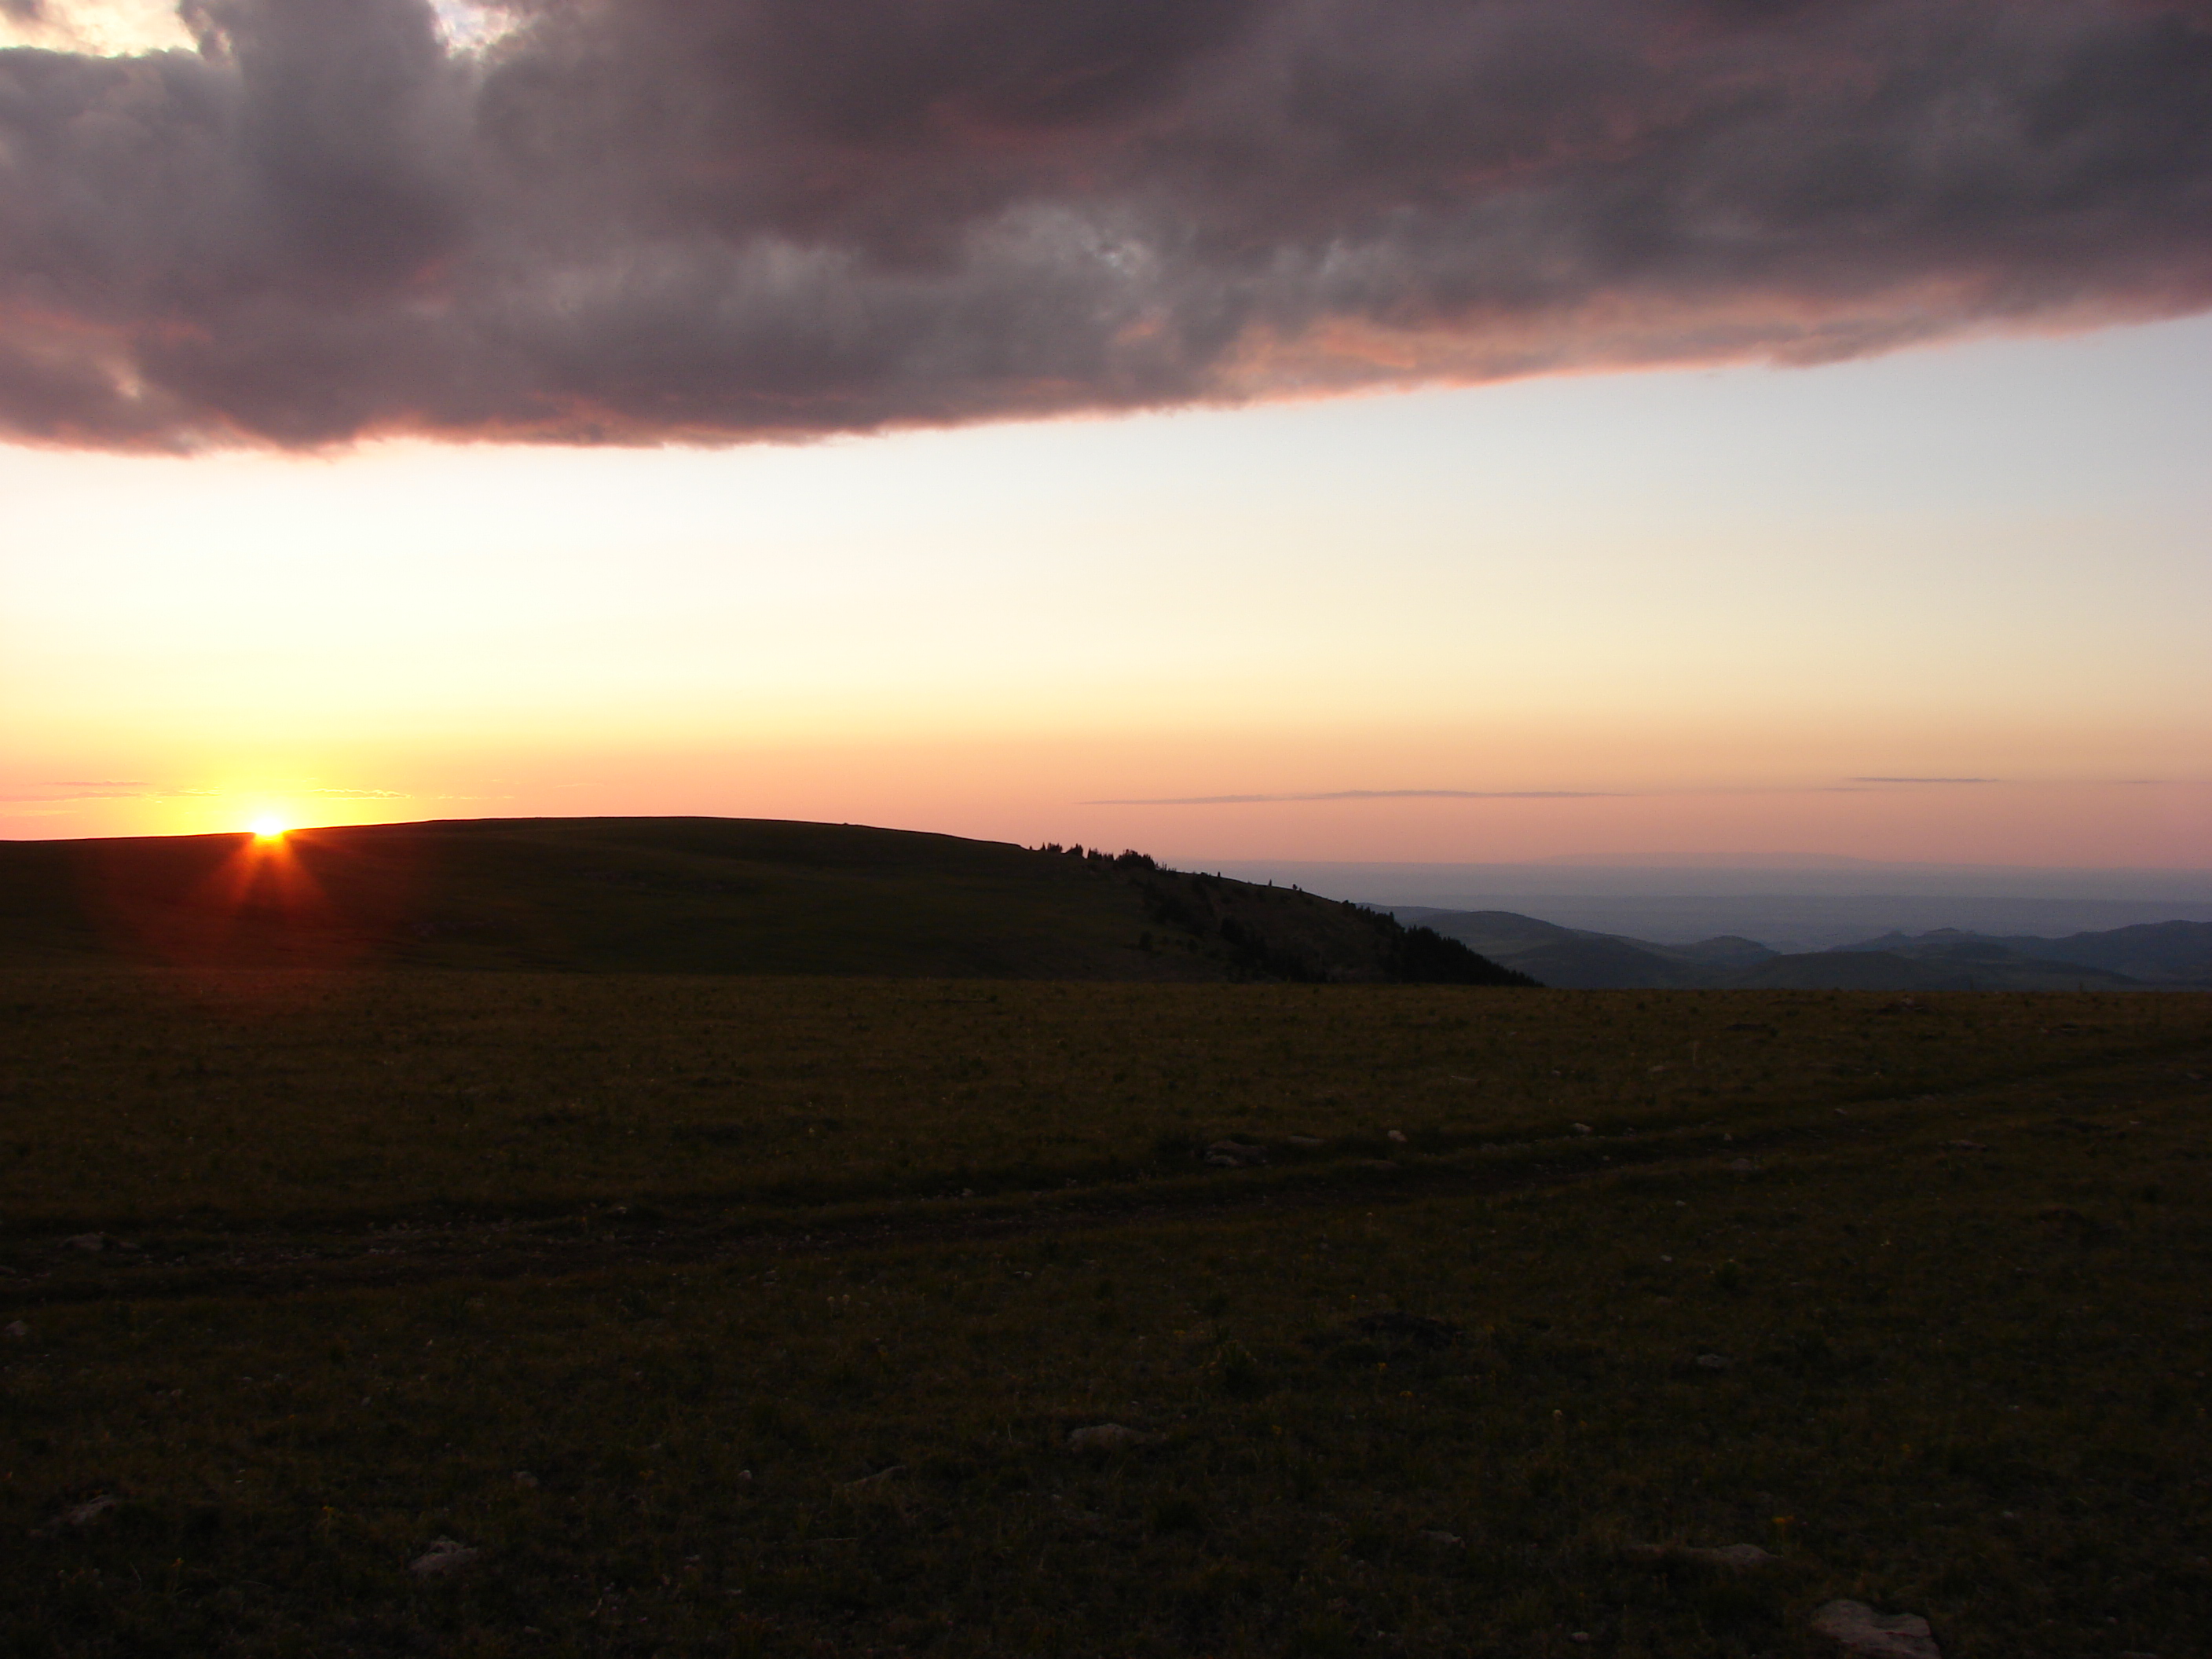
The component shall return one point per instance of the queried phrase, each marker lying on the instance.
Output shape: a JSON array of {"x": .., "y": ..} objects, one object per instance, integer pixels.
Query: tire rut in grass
[
  {"x": 457, "y": 1252},
  {"x": 507, "y": 1248}
]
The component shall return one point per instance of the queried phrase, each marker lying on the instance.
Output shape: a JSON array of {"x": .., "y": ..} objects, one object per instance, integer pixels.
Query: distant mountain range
[
  {"x": 2159, "y": 955},
  {"x": 1790, "y": 907}
]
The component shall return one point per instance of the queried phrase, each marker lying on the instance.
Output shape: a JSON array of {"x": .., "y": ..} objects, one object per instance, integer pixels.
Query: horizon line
[{"x": 1371, "y": 794}]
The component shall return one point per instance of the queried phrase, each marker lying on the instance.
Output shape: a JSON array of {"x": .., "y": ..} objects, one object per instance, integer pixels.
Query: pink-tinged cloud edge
[{"x": 660, "y": 223}]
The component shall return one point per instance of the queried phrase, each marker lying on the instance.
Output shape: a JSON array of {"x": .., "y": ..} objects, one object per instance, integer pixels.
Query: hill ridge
[{"x": 688, "y": 894}]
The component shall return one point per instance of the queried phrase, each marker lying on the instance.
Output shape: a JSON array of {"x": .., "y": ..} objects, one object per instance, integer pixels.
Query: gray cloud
[{"x": 638, "y": 221}]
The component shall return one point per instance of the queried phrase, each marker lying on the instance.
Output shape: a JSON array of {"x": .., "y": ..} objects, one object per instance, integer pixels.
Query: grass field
[{"x": 755, "y": 1316}]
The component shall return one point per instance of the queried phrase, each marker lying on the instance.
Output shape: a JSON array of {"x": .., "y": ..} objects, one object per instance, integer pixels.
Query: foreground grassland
[{"x": 728, "y": 1316}]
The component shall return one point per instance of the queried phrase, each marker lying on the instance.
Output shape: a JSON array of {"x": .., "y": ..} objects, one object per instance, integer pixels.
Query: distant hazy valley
[
  {"x": 2158, "y": 956},
  {"x": 1789, "y": 906}
]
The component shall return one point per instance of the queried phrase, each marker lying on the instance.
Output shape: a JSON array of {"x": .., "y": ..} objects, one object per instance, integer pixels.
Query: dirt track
[{"x": 274, "y": 1258}]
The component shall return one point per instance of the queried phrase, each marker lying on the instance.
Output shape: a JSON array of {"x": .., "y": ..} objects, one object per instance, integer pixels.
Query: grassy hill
[{"x": 712, "y": 895}]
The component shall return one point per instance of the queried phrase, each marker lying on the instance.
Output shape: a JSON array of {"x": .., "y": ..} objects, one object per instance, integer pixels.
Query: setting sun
[{"x": 268, "y": 828}]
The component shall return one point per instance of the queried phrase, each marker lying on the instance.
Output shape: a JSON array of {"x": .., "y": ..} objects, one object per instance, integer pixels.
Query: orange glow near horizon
[
  {"x": 1943, "y": 606},
  {"x": 223, "y": 900}
]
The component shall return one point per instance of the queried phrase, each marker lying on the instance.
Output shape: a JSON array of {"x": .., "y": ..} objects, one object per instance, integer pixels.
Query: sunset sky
[{"x": 1238, "y": 430}]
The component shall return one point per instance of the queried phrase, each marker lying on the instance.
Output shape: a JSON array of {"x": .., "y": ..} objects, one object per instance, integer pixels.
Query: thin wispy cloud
[
  {"x": 1363, "y": 794},
  {"x": 1848, "y": 787},
  {"x": 661, "y": 219}
]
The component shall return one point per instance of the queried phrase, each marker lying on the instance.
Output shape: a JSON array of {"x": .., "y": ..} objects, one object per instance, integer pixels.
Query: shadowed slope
[
  {"x": 683, "y": 895},
  {"x": 1572, "y": 957}
]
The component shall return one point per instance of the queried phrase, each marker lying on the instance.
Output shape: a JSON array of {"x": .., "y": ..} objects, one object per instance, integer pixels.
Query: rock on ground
[
  {"x": 1735, "y": 1555},
  {"x": 80, "y": 1514},
  {"x": 880, "y": 1478},
  {"x": 1879, "y": 1635},
  {"x": 445, "y": 1555}
]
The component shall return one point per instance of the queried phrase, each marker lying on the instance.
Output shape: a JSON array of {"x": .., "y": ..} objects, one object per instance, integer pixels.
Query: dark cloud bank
[{"x": 635, "y": 220}]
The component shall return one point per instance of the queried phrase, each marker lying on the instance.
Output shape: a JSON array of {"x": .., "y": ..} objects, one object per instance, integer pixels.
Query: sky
[{"x": 1238, "y": 430}]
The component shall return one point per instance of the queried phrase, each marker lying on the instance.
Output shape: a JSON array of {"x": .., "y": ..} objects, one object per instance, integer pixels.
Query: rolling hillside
[
  {"x": 685, "y": 896},
  {"x": 1572, "y": 958}
]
